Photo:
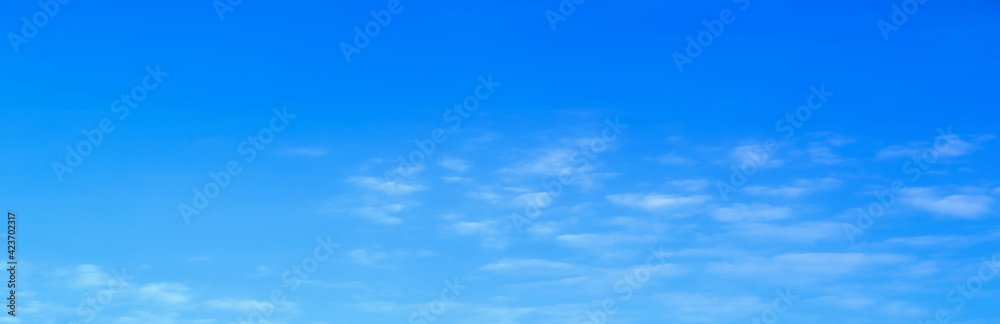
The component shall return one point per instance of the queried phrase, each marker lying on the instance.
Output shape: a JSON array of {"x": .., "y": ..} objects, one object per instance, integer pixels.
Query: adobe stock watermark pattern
[
  {"x": 759, "y": 155},
  {"x": 293, "y": 280},
  {"x": 585, "y": 156},
  {"x": 429, "y": 313},
  {"x": 93, "y": 306},
  {"x": 427, "y": 146},
  {"x": 915, "y": 167},
  {"x": 221, "y": 179},
  {"x": 770, "y": 315},
  {"x": 900, "y": 15},
  {"x": 363, "y": 35},
  {"x": 701, "y": 41},
  {"x": 626, "y": 287},
  {"x": 965, "y": 292},
  {"x": 30, "y": 27},
  {"x": 565, "y": 9},
  {"x": 94, "y": 137}
]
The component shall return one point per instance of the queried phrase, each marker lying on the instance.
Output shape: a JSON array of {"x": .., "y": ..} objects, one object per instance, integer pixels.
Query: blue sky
[{"x": 579, "y": 173}]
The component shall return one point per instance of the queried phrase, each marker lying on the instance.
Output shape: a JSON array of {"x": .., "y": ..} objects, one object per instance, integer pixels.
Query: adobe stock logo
[
  {"x": 425, "y": 147},
  {"x": 224, "y": 6},
  {"x": 759, "y": 155},
  {"x": 29, "y": 28},
  {"x": 965, "y": 292},
  {"x": 218, "y": 181},
  {"x": 581, "y": 159},
  {"x": 566, "y": 9},
  {"x": 627, "y": 286},
  {"x": 293, "y": 279},
  {"x": 363, "y": 37},
  {"x": 430, "y": 312},
  {"x": 770, "y": 315},
  {"x": 92, "y": 306},
  {"x": 713, "y": 29},
  {"x": 916, "y": 166},
  {"x": 900, "y": 15},
  {"x": 94, "y": 137}
]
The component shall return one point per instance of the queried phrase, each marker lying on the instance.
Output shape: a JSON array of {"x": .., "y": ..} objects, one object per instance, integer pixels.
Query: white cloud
[
  {"x": 165, "y": 293},
  {"x": 475, "y": 228},
  {"x": 388, "y": 187},
  {"x": 87, "y": 276},
  {"x": 593, "y": 240},
  {"x": 808, "y": 232},
  {"x": 457, "y": 165},
  {"x": 529, "y": 266},
  {"x": 489, "y": 230},
  {"x": 953, "y": 146},
  {"x": 155, "y": 318},
  {"x": 958, "y": 147},
  {"x": 245, "y": 305},
  {"x": 380, "y": 213},
  {"x": 382, "y": 306},
  {"x": 897, "y": 151},
  {"x": 934, "y": 241},
  {"x": 901, "y": 309},
  {"x": 968, "y": 206},
  {"x": 804, "y": 267},
  {"x": 783, "y": 191},
  {"x": 751, "y": 212},
  {"x": 799, "y": 188},
  {"x": 822, "y": 154},
  {"x": 756, "y": 153},
  {"x": 833, "y": 139},
  {"x": 685, "y": 307},
  {"x": 655, "y": 202},
  {"x": 546, "y": 229},
  {"x": 553, "y": 163},
  {"x": 942, "y": 241}
]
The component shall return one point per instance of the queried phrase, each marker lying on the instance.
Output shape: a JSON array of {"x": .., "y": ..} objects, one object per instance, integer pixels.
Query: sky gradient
[{"x": 502, "y": 161}]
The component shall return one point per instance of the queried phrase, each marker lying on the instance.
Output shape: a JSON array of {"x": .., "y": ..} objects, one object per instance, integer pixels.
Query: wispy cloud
[
  {"x": 655, "y": 202},
  {"x": 806, "y": 232},
  {"x": 800, "y": 268},
  {"x": 799, "y": 188},
  {"x": 381, "y": 212},
  {"x": 956, "y": 147},
  {"x": 165, "y": 293},
  {"x": 967, "y": 206},
  {"x": 381, "y": 185}
]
